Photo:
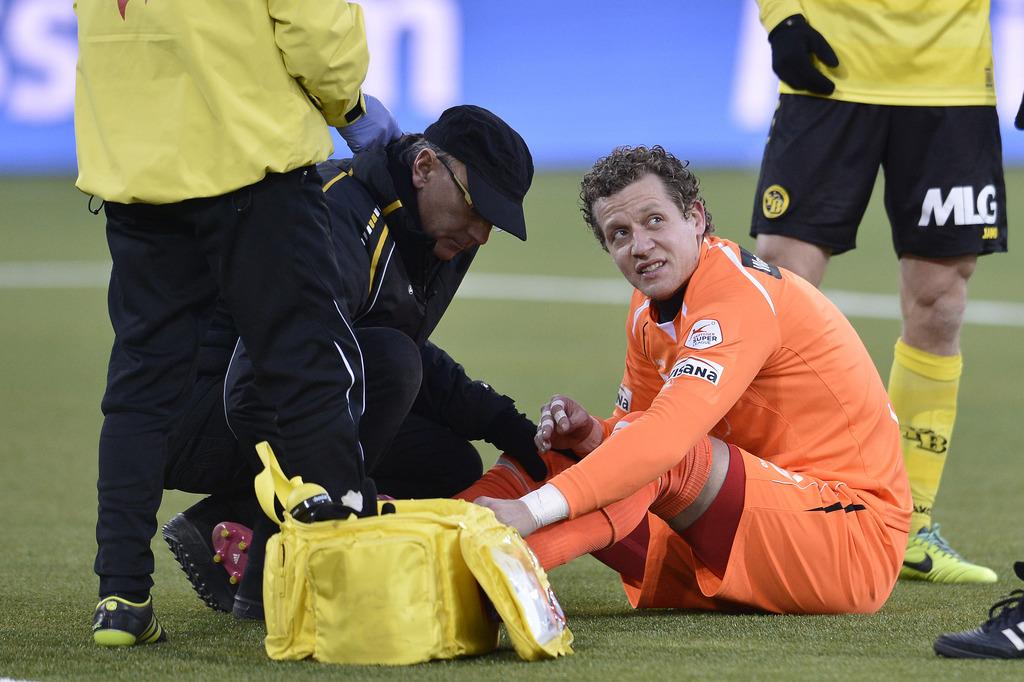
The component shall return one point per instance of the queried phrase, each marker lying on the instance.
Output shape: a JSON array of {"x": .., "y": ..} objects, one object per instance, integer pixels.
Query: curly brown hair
[{"x": 624, "y": 166}]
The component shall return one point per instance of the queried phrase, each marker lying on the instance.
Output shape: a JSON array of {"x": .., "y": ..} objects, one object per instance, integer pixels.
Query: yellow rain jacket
[
  {"x": 900, "y": 52},
  {"x": 176, "y": 100}
]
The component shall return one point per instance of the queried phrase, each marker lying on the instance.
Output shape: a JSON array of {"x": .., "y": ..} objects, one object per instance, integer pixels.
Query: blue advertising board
[{"x": 575, "y": 77}]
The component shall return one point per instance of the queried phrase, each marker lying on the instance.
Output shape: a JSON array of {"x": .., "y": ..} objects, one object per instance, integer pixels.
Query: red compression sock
[{"x": 711, "y": 535}]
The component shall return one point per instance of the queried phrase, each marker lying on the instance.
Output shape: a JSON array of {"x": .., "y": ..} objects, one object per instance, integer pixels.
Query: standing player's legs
[
  {"x": 925, "y": 375},
  {"x": 807, "y": 260},
  {"x": 391, "y": 371},
  {"x": 160, "y": 299},
  {"x": 817, "y": 173},
  {"x": 946, "y": 202},
  {"x": 278, "y": 279}
]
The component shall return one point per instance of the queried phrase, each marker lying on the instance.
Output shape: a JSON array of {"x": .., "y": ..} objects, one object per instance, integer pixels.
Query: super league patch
[
  {"x": 704, "y": 334},
  {"x": 697, "y": 368},
  {"x": 752, "y": 261}
]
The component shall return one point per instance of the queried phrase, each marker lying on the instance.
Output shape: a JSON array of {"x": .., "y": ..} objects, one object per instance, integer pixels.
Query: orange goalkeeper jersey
[{"x": 759, "y": 358}]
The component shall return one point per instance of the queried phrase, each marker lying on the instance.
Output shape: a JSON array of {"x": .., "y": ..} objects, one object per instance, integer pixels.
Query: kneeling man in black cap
[{"x": 406, "y": 222}]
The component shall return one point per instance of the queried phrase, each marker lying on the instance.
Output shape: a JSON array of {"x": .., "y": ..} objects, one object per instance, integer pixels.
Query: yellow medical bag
[{"x": 402, "y": 588}]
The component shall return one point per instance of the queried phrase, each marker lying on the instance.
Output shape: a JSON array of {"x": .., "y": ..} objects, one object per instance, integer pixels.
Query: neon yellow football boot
[
  {"x": 119, "y": 622},
  {"x": 929, "y": 557}
]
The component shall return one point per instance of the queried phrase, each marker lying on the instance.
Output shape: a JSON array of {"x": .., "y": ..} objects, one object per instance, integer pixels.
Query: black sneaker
[
  {"x": 190, "y": 539},
  {"x": 119, "y": 622},
  {"x": 1001, "y": 636},
  {"x": 247, "y": 609}
]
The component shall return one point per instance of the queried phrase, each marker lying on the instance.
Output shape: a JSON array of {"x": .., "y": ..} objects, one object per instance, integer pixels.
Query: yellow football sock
[{"x": 923, "y": 389}]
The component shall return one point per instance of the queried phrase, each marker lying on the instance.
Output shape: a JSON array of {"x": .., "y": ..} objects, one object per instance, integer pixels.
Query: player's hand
[
  {"x": 513, "y": 513},
  {"x": 793, "y": 43},
  {"x": 376, "y": 128},
  {"x": 565, "y": 424},
  {"x": 1018, "y": 122}
]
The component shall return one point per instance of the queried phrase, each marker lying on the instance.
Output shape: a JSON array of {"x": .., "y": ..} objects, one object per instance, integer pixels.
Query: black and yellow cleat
[
  {"x": 1001, "y": 636},
  {"x": 119, "y": 622}
]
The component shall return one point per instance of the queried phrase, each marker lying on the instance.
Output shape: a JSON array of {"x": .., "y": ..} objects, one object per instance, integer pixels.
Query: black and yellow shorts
[{"x": 944, "y": 189}]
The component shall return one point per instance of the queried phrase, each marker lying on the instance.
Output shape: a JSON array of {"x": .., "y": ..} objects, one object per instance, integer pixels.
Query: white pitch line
[
  {"x": 530, "y": 288},
  {"x": 54, "y": 275},
  {"x": 593, "y": 290}
]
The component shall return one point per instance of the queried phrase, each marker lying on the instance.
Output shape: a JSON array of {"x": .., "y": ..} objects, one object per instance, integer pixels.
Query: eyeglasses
[{"x": 458, "y": 183}]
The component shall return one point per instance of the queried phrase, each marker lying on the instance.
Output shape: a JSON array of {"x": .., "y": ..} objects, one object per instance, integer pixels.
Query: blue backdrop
[{"x": 575, "y": 77}]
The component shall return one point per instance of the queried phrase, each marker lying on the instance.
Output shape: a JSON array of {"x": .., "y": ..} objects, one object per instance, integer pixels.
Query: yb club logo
[
  {"x": 774, "y": 201},
  {"x": 926, "y": 439}
]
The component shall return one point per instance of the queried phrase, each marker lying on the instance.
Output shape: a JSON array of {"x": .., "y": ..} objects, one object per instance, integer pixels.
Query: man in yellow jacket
[
  {"x": 199, "y": 125},
  {"x": 908, "y": 87}
]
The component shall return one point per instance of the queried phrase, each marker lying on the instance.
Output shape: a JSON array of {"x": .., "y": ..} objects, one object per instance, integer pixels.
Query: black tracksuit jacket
[{"x": 390, "y": 278}]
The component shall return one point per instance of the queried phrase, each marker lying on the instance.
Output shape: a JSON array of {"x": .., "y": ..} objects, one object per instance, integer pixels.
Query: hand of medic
[
  {"x": 376, "y": 128},
  {"x": 513, "y": 513}
]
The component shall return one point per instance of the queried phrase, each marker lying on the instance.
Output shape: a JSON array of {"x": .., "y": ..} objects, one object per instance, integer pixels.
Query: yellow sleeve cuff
[
  {"x": 774, "y": 11},
  {"x": 355, "y": 112}
]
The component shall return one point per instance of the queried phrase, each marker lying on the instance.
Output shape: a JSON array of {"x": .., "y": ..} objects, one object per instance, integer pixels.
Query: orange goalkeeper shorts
[{"x": 802, "y": 546}]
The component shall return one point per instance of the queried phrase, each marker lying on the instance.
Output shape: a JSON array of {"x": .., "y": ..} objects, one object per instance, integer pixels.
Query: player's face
[
  {"x": 445, "y": 210},
  {"x": 654, "y": 245}
]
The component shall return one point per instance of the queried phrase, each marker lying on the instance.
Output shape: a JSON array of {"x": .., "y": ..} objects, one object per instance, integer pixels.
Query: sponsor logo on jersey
[
  {"x": 990, "y": 232},
  {"x": 961, "y": 204},
  {"x": 751, "y": 261},
  {"x": 697, "y": 368},
  {"x": 774, "y": 201},
  {"x": 925, "y": 439},
  {"x": 624, "y": 398},
  {"x": 704, "y": 334}
]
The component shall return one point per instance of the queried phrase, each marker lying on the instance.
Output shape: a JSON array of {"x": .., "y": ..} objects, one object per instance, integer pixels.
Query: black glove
[
  {"x": 793, "y": 42},
  {"x": 512, "y": 433},
  {"x": 1018, "y": 122}
]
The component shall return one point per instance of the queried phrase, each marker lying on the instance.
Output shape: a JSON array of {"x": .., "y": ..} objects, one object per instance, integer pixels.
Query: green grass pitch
[{"x": 52, "y": 365}]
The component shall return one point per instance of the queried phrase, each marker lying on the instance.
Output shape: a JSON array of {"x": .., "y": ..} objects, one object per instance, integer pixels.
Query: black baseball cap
[{"x": 498, "y": 163}]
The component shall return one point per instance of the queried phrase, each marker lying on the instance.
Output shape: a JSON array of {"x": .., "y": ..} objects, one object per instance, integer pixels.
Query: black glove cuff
[
  {"x": 787, "y": 24},
  {"x": 511, "y": 431}
]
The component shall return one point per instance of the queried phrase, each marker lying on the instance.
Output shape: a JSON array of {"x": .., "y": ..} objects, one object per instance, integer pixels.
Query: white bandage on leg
[{"x": 547, "y": 505}]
